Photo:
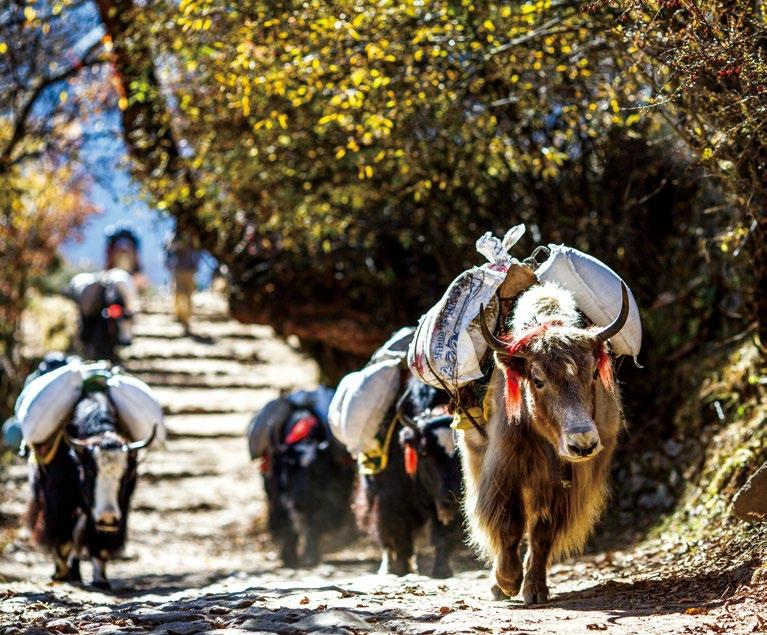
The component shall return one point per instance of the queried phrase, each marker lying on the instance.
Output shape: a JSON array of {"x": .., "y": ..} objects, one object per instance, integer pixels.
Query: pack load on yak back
[
  {"x": 363, "y": 398},
  {"x": 85, "y": 289},
  {"x": 597, "y": 292},
  {"x": 267, "y": 422},
  {"x": 48, "y": 399},
  {"x": 448, "y": 348}
]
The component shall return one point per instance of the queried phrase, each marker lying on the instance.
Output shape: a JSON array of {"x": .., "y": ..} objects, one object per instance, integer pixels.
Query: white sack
[
  {"x": 259, "y": 431},
  {"x": 597, "y": 291},
  {"x": 138, "y": 408},
  {"x": 448, "y": 345},
  {"x": 361, "y": 403},
  {"x": 317, "y": 400},
  {"x": 124, "y": 283},
  {"x": 85, "y": 289},
  {"x": 47, "y": 400},
  {"x": 396, "y": 346}
]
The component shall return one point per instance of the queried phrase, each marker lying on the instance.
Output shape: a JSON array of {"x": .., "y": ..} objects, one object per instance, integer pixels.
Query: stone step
[
  {"x": 158, "y": 348},
  {"x": 189, "y": 366},
  {"x": 158, "y": 379},
  {"x": 188, "y": 401},
  {"x": 208, "y": 426},
  {"x": 162, "y": 328}
]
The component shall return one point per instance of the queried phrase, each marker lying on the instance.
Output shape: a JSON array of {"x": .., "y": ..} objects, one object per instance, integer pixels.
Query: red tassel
[
  {"x": 605, "y": 367},
  {"x": 411, "y": 461},
  {"x": 513, "y": 394},
  {"x": 301, "y": 430}
]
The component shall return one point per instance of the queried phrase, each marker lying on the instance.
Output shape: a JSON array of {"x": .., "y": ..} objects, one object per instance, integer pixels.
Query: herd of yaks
[{"x": 520, "y": 454}]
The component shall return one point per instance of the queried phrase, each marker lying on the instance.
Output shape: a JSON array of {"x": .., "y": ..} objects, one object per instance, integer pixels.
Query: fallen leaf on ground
[{"x": 596, "y": 627}]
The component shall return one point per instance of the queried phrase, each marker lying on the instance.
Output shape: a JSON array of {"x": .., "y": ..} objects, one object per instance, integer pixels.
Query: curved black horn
[
  {"x": 611, "y": 330},
  {"x": 493, "y": 342},
  {"x": 140, "y": 445},
  {"x": 77, "y": 444},
  {"x": 408, "y": 421}
]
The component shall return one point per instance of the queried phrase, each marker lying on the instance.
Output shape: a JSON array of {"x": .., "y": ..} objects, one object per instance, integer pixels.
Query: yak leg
[
  {"x": 311, "y": 546},
  {"x": 535, "y": 590},
  {"x": 73, "y": 561},
  {"x": 61, "y": 553},
  {"x": 398, "y": 550},
  {"x": 289, "y": 547},
  {"x": 443, "y": 540},
  {"x": 401, "y": 556},
  {"x": 100, "y": 580},
  {"x": 507, "y": 569}
]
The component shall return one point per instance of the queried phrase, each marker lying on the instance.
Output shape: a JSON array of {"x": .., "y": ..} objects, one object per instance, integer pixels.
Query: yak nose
[
  {"x": 108, "y": 517},
  {"x": 583, "y": 442},
  {"x": 580, "y": 450}
]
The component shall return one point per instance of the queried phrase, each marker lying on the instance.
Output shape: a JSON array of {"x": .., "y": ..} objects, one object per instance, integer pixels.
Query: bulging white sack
[
  {"x": 259, "y": 433},
  {"x": 125, "y": 285},
  {"x": 396, "y": 346},
  {"x": 47, "y": 400},
  {"x": 84, "y": 288},
  {"x": 597, "y": 291},
  {"x": 361, "y": 403},
  {"x": 138, "y": 408},
  {"x": 448, "y": 346}
]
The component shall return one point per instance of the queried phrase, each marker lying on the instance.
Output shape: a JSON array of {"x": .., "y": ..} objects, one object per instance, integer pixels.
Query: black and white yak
[
  {"x": 106, "y": 315},
  {"x": 308, "y": 480},
  {"x": 81, "y": 494},
  {"x": 420, "y": 488}
]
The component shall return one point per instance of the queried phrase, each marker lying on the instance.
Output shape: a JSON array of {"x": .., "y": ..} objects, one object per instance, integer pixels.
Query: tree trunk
[{"x": 146, "y": 119}]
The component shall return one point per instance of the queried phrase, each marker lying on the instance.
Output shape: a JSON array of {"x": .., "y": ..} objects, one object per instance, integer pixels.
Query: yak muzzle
[
  {"x": 107, "y": 520},
  {"x": 580, "y": 443}
]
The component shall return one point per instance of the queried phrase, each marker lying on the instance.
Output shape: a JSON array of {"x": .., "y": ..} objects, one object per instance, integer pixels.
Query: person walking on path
[{"x": 182, "y": 260}]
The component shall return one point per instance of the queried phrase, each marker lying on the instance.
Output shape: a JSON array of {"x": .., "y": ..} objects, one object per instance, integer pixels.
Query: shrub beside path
[{"x": 199, "y": 559}]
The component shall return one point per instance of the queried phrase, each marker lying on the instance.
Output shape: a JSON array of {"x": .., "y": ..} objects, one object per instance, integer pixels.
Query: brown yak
[{"x": 553, "y": 416}]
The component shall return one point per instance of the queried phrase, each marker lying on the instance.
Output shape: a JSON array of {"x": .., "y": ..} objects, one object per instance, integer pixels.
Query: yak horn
[
  {"x": 613, "y": 329},
  {"x": 498, "y": 345},
  {"x": 140, "y": 445},
  {"x": 77, "y": 444},
  {"x": 406, "y": 419}
]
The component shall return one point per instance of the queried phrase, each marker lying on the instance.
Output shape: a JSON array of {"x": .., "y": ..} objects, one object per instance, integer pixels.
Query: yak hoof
[
  {"x": 509, "y": 585},
  {"x": 497, "y": 593},
  {"x": 74, "y": 573},
  {"x": 102, "y": 585},
  {"x": 442, "y": 570},
  {"x": 535, "y": 592},
  {"x": 399, "y": 566}
]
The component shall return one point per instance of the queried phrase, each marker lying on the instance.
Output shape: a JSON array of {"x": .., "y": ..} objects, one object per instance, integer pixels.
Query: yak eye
[
  {"x": 596, "y": 373},
  {"x": 538, "y": 383}
]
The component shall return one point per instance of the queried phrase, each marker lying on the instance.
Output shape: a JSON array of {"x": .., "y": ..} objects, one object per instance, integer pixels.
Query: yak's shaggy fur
[{"x": 516, "y": 482}]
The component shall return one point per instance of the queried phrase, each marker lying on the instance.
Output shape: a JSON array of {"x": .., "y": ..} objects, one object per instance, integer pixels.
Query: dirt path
[{"x": 198, "y": 557}]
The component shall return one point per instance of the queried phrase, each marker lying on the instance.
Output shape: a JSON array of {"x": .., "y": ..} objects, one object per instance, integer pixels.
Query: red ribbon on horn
[{"x": 411, "y": 461}]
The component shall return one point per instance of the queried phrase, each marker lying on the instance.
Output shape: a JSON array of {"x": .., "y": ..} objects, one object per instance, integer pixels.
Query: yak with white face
[
  {"x": 81, "y": 499},
  {"x": 541, "y": 472}
]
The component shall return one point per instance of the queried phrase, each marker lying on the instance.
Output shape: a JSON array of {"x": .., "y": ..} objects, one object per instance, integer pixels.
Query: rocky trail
[{"x": 199, "y": 558}]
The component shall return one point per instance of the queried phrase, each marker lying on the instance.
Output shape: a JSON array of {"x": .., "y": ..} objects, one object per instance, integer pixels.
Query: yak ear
[
  {"x": 515, "y": 363},
  {"x": 605, "y": 367}
]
